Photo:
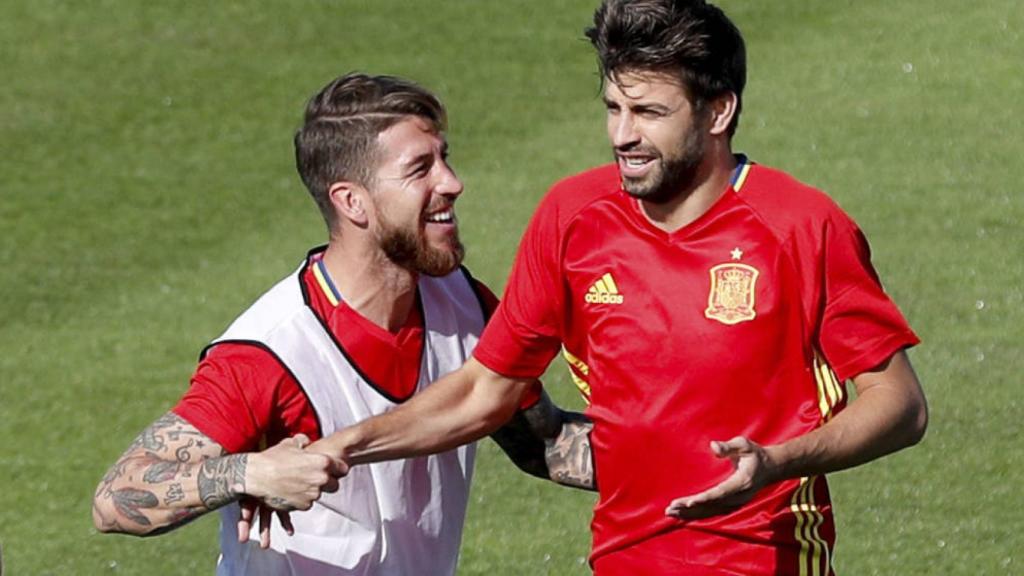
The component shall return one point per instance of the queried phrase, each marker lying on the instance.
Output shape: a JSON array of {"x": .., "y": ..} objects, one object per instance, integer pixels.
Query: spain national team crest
[{"x": 731, "y": 298}]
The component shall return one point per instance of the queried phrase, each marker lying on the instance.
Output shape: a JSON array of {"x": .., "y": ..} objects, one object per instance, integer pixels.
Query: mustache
[
  {"x": 637, "y": 149},
  {"x": 440, "y": 206}
]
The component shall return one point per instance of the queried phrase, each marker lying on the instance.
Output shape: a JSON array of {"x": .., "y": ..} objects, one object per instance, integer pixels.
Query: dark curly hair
[{"x": 689, "y": 39}]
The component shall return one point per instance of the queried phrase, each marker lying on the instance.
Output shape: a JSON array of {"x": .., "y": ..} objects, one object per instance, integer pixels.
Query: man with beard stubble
[
  {"x": 363, "y": 325},
  {"x": 711, "y": 307}
]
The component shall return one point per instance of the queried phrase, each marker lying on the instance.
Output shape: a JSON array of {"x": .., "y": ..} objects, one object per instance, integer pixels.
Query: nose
[
  {"x": 449, "y": 185},
  {"x": 622, "y": 130}
]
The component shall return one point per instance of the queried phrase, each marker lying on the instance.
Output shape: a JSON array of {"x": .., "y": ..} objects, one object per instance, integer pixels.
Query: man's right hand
[{"x": 287, "y": 477}]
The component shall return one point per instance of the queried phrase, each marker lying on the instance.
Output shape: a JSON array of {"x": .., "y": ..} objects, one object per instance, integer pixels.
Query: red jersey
[
  {"x": 243, "y": 398},
  {"x": 744, "y": 322}
]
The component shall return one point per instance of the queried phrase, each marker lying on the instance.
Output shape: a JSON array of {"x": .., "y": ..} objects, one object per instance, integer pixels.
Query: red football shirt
[
  {"x": 743, "y": 322},
  {"x": 243, "y": 398}
]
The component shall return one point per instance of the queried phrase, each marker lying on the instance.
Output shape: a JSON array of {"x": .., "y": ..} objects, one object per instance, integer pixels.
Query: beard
[
  {"x": 671, "y": 174},
  {"x": 407, "y": 247}
]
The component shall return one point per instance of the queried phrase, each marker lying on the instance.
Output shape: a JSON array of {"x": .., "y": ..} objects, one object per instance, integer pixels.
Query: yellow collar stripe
[
  {"x": 320, "y": 273},
  {"x": 740, "y": 176}
]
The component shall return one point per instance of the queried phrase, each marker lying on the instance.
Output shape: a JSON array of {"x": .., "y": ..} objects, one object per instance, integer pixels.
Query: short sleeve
[
  {"x": 524, "y": 334},
  {"x": 861, "y": 326},
  {"x": 241, "y": 397},
  {"x": 490, "y": 303}
]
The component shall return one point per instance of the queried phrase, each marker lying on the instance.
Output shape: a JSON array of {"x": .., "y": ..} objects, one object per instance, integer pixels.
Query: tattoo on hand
[{"x": 222, "y": 480}]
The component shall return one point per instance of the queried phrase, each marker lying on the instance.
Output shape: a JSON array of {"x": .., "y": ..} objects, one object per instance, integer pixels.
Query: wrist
[
  {"x": 252, "y": 483},
  {"x": 222, "y": 480},
  {"x": 341, "y": 445},
  {"x": 777, "y": 463}
]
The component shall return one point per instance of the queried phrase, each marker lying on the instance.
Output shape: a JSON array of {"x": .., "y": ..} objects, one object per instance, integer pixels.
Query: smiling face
[
  {"x": 413, "y": 193},
  {"x": 659, "y": 138}
]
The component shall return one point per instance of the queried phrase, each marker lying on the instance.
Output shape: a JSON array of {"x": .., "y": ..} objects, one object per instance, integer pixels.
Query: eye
[
  {"x": 649, "y": 112},
  {"x": 419, "y": 169}
]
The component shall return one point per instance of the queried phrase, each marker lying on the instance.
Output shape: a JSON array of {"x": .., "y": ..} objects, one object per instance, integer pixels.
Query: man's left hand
[{"x": 753, "y": 470}]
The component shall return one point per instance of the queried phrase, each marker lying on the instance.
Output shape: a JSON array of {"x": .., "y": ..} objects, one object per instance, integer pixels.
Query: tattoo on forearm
[
  {"x": 174, "y": 494},
  {"x": 524, "y": 437},
  {"x": 168, "y": 428},
  {"x": 183, "y": 453},
  {"x": 151, "y": 485},
  {"x": 128, "y": 501},
  {"x": 543, "y": 418},
  {"x": 569, "y": 457},
  {"x": 222, "y": 480},
  {"x": 162, "y": 471}
]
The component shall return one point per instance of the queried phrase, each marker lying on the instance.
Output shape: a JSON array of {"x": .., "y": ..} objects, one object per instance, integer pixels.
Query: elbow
[
  {"x": 100, "y": 513},
  {"x": 104, "y": 521},
  {"x": 97, "y": 520},
  {"x": 916, "y": 421},
  {"x": 919, "y": 423},
  {"x": 103, "y": 518},
  {"x": 107, "y": 520}
]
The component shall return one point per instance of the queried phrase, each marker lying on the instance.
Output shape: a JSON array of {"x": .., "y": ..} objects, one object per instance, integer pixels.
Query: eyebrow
[{"x": 417, "y": 161}]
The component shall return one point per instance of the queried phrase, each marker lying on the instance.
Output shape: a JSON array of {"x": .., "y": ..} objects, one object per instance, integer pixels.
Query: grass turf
[{"x": 149, "y": 195}]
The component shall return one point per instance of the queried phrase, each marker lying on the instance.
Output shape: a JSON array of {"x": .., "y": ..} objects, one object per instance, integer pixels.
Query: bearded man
[
  {"x": 712, "y": 307},
  {"x": 363, "y": 325}
]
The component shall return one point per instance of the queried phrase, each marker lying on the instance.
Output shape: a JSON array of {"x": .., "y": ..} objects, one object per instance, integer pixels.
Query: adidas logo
[{"x": 604, "y": 291}]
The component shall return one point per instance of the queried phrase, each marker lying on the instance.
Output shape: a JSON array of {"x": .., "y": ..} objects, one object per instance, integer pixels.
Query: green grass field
[{"x": 147, "y": 194}]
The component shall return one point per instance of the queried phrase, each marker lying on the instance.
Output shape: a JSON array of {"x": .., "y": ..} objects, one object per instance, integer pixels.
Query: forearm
[
  {"x": 464, "y": 406},
  {"x": 889, "y": 414},
  {"x": 568, "y": 455},
  {"x": 550, "y": 443},
  {"x": 142, "y": 494}
]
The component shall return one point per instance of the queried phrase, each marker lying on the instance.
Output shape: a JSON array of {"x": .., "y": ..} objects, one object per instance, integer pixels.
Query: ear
[
  {"x": 723, "y": 109},
  {"x": 350, "y": 202}
]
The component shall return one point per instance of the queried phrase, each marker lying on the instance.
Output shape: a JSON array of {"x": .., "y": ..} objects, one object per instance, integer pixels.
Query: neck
[
  {"x": 711, "y": 181},
  {"x": 372, "y": 285}
]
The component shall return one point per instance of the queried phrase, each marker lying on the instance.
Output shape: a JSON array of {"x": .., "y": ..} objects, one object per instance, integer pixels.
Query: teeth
[
  {"x": 635, "y": 162},
  {"x": 441, "y": 217}
]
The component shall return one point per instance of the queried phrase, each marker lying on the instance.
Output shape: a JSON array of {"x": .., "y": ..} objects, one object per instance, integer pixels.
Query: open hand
[{"x": 753, "y": 469}]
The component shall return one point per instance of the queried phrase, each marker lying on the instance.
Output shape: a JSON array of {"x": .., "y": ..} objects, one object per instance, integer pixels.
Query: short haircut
[
  {"x": 691, "y": 40},
  {"x": 338, "y": 138}
]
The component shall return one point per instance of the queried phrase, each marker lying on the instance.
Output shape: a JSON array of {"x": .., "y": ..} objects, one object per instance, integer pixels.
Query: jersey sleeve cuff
[{"x": 876, "y": 355}]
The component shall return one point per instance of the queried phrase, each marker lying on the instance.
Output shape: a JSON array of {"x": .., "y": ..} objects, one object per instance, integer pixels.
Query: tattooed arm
[
  {"x": 550, "y": 443},
  {"x": 173, "y": 473}
]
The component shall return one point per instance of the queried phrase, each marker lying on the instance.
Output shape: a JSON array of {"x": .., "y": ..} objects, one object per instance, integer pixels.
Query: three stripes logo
[{"x": 604, "y": 291}]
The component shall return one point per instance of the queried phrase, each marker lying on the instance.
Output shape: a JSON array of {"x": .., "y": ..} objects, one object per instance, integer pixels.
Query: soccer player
[
  {"x": 362, "y": 326},
  {"x": 714, "y": 309}
]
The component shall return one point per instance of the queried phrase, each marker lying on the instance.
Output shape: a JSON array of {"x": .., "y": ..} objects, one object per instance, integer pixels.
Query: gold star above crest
[{"x": 736, "y": 253}]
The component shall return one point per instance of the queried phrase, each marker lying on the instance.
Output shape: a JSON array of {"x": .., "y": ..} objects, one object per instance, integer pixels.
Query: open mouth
[
  {"x": 441, "y": 217},
  {"x": 635, "y": 165}
]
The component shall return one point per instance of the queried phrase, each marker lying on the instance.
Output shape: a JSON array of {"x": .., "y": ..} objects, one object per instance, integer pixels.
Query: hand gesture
[
  {"x": 285, "y": 478},
  {"x": 753, "y": 469}
]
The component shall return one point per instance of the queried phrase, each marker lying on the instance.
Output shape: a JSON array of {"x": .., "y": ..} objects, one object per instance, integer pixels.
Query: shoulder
[
  {"x": 788, "y": 206},
  {"x": 243, "y": 365},
  {"x": 570, "y": 196},
  {"x": 275, "y": 307}
]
